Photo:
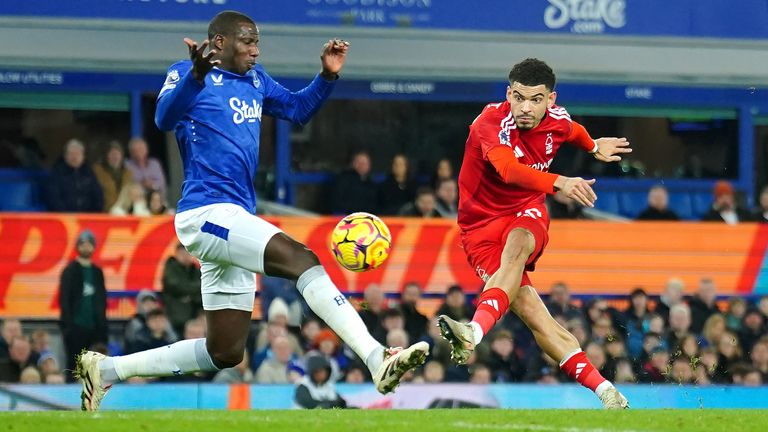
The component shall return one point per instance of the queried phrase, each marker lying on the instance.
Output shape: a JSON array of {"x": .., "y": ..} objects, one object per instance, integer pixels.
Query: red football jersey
[{"x": 483, "y": 193}]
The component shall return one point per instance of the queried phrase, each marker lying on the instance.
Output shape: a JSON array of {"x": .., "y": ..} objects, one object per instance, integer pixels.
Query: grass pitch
[{"x": 388, "y": 420}]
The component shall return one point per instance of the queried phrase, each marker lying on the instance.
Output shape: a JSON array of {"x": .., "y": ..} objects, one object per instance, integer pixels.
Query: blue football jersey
[{"x": 217, "y": 126}]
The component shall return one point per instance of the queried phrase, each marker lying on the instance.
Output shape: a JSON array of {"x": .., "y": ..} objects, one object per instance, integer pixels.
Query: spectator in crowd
[
  {"x": 277, "y": 316},
  {"x": 47, "y": 364},
  {"x": 112, "y": 174},
  {"x": 20, "y": 356},
  {"x": 155, "y": 334},
  {"x": 274, "y": 370},
  {"x": 397, "y": 337},
  {"x": 146, "y": 170},
  {"x": 423, "y": 206},
  {"x": 541, "y": 368},
  {"x": 82, "y": 300},
  {"x": 702, "y": 304},
  {"x": 30, "y": 375},
  {"x": 729, "y": 353},
  {"x": 10, "y": 329},
  {"x": 562, "y": 207},
  {"x": 57, "y": 378},
  {"x": 634, "y": 317},
  {"x": 737, "y": 307},
  {"x": 559, "y": 302},
  {"x": 655, "y": 370},
  {"x": 759, "y": 357},
  {"x": 752, "y": 378},
  {"x": 762, "y": 305},
  {"x": 724, "y": 208},
  {"x": 146, "y": 302},
  {"x": 672, "y": 295},
  {"x": 480, "y": 374},
  {"x": 156, "y": 203},
  {"x": 602, "y": 329},
  {"x": 392, "y": 319},
  {"x": 285, "y": 289},
  {"x": 41, "y": 341},
  {"x": 657, "y": 210},
  {"x": 596, "y": 354},
  {"x": 679, "y": 324},
  {"x": 235, "y": 375},
  {"x": 316, "y": 390},
  {"x": 624, "y": 373},
  {"x": 447, "y": 198},
  {"x": 443, "y": 171},
  {"x": 354, "y": 190},
  {"x": 439, "y": 348},
  {"x": 434, "y": 372},
  {"x": 415, "y": 321},
  {"x": 398, "y": 188},
  {"x": 310, "y": 328},
  {"x": 687, "y": 348},
  {"x": 132, "y": 201},
  {"x": 356, "y": 373},
  {"x": 455, "y": 305},
  {"x": 73, "y": 186},
  {"x": 713, "y": 329},
  {"x": 752, "y": 329},
  {"x": 181, "y": 288},
  {"x": 327, "y": 344},
  {"x": 505, "y": 364},
  {"x": 615, "y": 350},
  {"x": 680, "y": 372},
  {"x": 761, "y": 212},
  {"x": 651, "y": 341},
  {"x": 371, "y": 310}
]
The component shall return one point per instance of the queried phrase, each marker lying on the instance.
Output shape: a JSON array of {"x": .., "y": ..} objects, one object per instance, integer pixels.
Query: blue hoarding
[{"x": 686, "y": 18}]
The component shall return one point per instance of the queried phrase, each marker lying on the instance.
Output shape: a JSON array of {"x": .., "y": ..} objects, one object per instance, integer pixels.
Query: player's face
[
  {"x": 239, "y": 51},
  {"x": 529, "y": 104}
]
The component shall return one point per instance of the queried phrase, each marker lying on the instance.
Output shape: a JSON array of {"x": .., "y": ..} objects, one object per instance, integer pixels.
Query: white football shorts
[{"x": 230, "y": 244}]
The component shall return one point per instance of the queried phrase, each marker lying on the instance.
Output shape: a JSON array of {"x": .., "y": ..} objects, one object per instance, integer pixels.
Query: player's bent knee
[{"x": 226, "y": 358}]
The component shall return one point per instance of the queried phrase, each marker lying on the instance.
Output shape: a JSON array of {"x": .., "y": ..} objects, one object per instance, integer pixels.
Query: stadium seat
[
  {"x": 19, "y": 196},
  {"x": 608, "y": 201},
  {"x": 702, "y": 202},
  {"x": 682, "y": 204},
  {"x": 632, "y": 203}
]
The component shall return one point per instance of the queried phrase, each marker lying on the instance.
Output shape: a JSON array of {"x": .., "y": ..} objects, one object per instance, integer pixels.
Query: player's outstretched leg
[
  {"x": 494, "y": 300},
  {"x": 223, "y": 348},
  {"x": 287, "y": 258},
  {"x": 561, "y": 345}
]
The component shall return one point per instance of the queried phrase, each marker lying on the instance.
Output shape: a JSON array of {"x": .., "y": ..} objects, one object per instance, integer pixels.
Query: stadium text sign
[{"x": 592, "y": 257}]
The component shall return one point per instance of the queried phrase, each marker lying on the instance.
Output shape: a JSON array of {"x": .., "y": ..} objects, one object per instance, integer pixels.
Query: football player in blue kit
[{"x": 214, "y": 102}]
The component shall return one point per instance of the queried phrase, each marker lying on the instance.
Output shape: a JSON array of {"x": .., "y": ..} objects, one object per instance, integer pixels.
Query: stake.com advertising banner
[{"x": 592, "y": 257}]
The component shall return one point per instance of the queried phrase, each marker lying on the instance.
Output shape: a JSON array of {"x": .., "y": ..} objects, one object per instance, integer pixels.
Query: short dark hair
[
  {"x": 225, "y": 23},
  {"x": 532, "y": 72},
  {"x": 424, "y": 190}
]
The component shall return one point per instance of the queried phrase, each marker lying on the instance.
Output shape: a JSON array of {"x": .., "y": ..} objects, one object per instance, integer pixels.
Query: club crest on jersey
[
  {"x": 504, "y": 138},
  {"x": 255, "y": 76},
  {"x": 245, "y": 111},
  {"x": 548, "y": 144}
]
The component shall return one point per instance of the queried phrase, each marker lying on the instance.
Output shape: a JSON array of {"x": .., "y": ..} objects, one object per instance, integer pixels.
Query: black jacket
[
  {"x": 71, "y": 292},
  {"x": 651, "y": 213},
  {"x": 353, "y": 193},
  {"x": 74, "y": 190}
]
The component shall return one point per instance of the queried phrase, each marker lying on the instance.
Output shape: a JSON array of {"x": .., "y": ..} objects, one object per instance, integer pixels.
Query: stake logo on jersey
[{"x": 244, "y": 111}]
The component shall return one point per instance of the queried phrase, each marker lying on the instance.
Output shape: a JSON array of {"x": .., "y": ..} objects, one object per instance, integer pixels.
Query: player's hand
[
  {"x": 610, "y": 149},
  {"x": 202, "y": 63},
  {"x": 333, "y": 56},
  {"x": 577, "y": 189}
]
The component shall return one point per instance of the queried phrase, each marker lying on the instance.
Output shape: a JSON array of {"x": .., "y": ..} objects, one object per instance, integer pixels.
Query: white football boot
[{"x": 398, "y": 361}]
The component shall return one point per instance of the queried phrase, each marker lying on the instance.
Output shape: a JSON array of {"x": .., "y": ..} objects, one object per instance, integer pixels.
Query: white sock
[
  {"x": 331, "y": 306},
  {"x": 477, "y": 332},
  {"x": 179, "y": 358},
  {"x": 605, "y": 385}
]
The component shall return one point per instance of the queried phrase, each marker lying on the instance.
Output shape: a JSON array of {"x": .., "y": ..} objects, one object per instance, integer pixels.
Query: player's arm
[
  {"x": 182, "y": 86},
  {"x": 300, "y": 106},
  {"x": 603, "y": 149}
]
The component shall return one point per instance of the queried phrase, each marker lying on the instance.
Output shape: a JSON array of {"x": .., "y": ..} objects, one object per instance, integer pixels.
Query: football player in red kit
[{"x": 503, "y": 220}]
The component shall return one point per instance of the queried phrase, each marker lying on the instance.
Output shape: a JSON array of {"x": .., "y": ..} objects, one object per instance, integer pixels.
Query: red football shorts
[{"x": 484, "y": 245}]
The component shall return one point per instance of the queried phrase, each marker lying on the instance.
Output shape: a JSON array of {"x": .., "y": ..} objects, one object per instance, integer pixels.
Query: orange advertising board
[{"x": 592, "y": 257}]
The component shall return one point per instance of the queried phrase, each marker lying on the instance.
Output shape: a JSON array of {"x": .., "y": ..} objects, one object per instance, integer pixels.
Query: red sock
[
  {"x": 580, "y": 368},
  {"x": 492, "y": 305}
]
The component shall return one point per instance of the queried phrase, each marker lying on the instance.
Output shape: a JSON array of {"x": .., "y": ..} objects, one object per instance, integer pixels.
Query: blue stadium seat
[
  {"x": 682, "y": 204},
  {"x": 702, "y": 202},
  {"x": 607, "y": 201},
  {"x": 632, "y": 203},
  {"x": 19, "y": 196}
]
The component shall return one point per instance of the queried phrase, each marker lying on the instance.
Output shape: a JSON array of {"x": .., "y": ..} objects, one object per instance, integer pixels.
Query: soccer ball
[{"x": 361, "y": 242}]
